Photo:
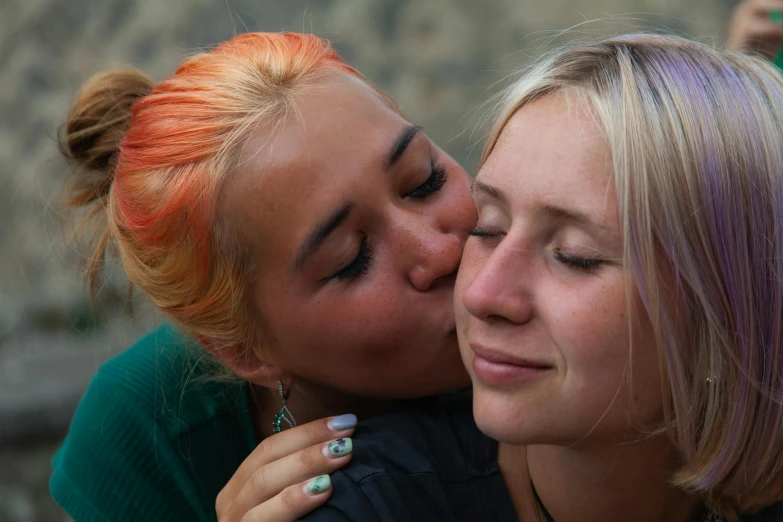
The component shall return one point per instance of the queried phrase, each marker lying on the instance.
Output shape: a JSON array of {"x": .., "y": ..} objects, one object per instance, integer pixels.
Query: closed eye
[
  {"x": 482, "y": 232},
  {"x": 358, "y": 266},
  {"x": 434, "y": 182},
  {"x": 579, "y": 263}
]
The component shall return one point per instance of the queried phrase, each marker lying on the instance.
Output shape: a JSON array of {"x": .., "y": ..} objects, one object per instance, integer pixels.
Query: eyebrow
[
  {"x": 552, "y": 211},
  {"x": 400, "y": 145},
  {"x": 561, "y": 214},
  {"x": 321, "y": 232},
  {"x": 479, "y": 187}
]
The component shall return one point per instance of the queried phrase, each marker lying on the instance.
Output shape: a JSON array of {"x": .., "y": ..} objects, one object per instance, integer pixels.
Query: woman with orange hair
[{"x": 294, "y": 226}]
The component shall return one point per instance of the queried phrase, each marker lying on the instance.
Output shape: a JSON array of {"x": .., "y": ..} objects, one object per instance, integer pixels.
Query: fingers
[
  {"x": 280, "y": 445},
  {"x": 762, "y": 28},
  {"x": 269, "y": 480},
  {"x": 753, "y": 27},
  {"x": 293, "y": 503},
  {"x": 764, "y": 36},
  {"x": 764, "y": 7}
]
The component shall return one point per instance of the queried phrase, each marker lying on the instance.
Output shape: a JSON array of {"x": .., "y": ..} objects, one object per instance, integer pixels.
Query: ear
[{"x": 249, "y": 364}]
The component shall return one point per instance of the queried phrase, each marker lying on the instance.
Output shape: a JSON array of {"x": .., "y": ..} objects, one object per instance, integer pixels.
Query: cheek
[
  {"x": 459, "y": 205},
  {"x": 468, "y": 268},
  {"x": 471, "y": 264},
  {"x": 647, "y": 390},
  {"x": 590, "y": 329},
  {"x": 592, "y": 335},
  {"x": 352, "y": 325},
  {"x": 361, "y": 324}
]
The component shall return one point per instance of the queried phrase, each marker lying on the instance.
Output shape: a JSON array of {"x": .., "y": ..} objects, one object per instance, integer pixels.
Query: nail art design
[
  {"x": 340, "y": 447},
  {"x": 319, "y": 484}
]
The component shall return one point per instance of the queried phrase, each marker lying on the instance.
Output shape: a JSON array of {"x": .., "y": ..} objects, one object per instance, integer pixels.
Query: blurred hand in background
[{"x": 757, "y": 25}]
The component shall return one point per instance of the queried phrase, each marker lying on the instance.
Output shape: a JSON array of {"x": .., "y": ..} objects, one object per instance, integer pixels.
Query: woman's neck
[
  {"x": 309, "y": 402},
  {"x": 600, "y": 484}
]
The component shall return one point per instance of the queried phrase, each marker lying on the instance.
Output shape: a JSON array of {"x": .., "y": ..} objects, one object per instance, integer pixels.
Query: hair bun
[{"x": 96, "y": 124}]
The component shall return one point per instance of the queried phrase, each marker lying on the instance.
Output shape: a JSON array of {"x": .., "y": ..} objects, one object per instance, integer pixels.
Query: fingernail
[
  {"x": 339, "y": 447},
  {"x": 318, "y": 485},
  {"x": 343, "y": 422}
]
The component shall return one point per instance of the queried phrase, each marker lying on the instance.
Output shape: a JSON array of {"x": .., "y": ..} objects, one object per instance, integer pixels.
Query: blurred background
[{"x": 439, "y": 58}]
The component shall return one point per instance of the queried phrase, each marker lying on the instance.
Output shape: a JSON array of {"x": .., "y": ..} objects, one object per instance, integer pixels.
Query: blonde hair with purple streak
[{"x": 696, "y": 136}]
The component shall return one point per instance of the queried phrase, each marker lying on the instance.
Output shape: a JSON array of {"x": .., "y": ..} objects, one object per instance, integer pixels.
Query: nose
[
  {"x": 432, "y": 254},
  {"x": 438, "y": 264},
  {"x": 500, "y": 287}
]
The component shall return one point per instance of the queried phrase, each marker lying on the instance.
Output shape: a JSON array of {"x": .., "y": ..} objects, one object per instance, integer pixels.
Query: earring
[{"x": 284, "y": 414}]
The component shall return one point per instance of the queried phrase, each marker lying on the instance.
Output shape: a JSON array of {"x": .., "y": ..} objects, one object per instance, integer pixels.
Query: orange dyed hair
[{"x": 152, "y": 161}]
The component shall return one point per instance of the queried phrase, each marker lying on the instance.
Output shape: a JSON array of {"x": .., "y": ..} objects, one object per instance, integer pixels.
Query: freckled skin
[
  {"x": 514, "y": 294},
  {"x": 390, "y": 332}
]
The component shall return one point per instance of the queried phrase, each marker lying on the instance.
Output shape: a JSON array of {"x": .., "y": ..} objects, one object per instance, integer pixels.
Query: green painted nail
[
  {"x": 340, "y": 447},
  {"x": 776, "y": 15},
  {"x": 319, "y": 484}
]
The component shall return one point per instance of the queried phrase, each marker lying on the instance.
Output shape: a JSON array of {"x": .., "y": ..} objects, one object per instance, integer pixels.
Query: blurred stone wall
[{"x": 439, "y": 58}]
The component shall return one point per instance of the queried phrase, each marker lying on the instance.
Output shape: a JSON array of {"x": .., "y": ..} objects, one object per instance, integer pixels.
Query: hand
[
  {"x": 753, "y": 28},
  {"x": 282, "y": 480}
]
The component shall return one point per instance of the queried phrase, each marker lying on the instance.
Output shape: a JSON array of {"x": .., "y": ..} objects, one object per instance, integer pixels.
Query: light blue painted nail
[
  {"x": 343, "y": 422},
  {"x": 319, "y": 484},
  {"x": 340, "y": 447}
]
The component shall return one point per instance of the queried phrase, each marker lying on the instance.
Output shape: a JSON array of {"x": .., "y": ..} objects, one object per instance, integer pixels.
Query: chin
[
  {"x": 492, "y": 423},
  {"x": 504, "y": 419}
]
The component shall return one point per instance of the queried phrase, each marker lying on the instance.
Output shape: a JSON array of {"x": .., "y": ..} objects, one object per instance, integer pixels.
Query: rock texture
[{"x": 441, "y": 59}]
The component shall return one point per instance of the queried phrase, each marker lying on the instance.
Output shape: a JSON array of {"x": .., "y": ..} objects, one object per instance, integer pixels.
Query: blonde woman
[{"x": 619, "y": 306}]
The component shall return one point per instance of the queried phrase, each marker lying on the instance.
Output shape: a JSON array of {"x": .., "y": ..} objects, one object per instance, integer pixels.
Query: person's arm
[
  {"x": 279, "y": 481},
  {"x": 757, "y": 25}
]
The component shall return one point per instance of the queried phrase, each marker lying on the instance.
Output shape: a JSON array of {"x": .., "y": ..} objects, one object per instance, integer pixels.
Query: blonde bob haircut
[{"x": 696, "y": 137}]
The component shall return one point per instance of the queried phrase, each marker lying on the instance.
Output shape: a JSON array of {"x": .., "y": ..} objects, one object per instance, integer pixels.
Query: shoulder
[
  {"x": 151, "y": 368},
  {"x": 163, "y": 379},
  {"x": 773, "y": 513},
  {"x": 131, "y": 442},
  {"x": 130, "y": 389},
  {"x": 435, "y": 436},
  {"x": 424, "y": 462}
]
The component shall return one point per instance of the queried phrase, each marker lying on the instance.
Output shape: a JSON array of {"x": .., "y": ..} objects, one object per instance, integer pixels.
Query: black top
[{"x": 429, "y": 463}]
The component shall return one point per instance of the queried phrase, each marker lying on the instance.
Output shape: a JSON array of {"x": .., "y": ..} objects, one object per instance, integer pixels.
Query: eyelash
[
  {"x": 480, "y": 232},
  {"x": 433, "y": 184},
  {"x": 579, "y": 263},
  {"x": 359, "y": 265}
]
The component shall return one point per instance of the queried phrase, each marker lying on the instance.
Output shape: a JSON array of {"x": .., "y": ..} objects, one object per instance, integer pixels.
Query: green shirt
[{"x": 153, "y": 439}]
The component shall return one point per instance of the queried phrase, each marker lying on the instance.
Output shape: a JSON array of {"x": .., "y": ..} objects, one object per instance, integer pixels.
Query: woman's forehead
[
  {"x": 337, "y": 137},
  {"x": 338, "y": 119}
]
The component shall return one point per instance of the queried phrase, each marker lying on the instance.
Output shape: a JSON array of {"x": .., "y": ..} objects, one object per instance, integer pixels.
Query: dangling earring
[{"x": 284, "y": 414}]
